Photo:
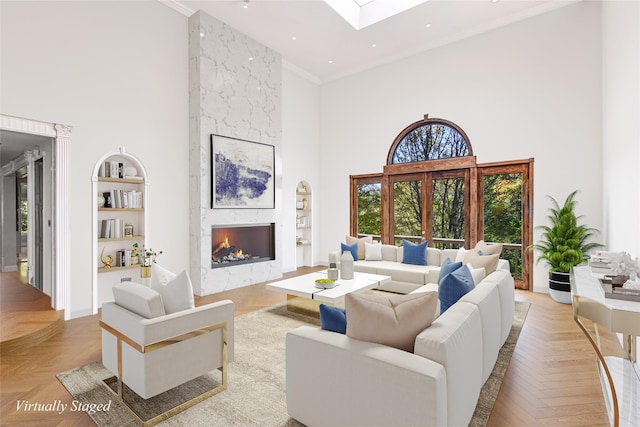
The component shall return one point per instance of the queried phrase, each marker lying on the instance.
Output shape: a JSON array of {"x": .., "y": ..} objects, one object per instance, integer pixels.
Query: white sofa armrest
[
  {"x": 148, "y": 331},
  {"x": 455, "y": 341},
  {"x": 335, "y": 380}
]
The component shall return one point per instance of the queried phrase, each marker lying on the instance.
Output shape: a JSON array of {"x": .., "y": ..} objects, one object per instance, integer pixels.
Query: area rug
[{"x": 256, "y": 391}]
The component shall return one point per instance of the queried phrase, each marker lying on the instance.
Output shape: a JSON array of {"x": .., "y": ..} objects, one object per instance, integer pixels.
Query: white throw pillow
[
  {"x": 160, "y": 275},
  {"x": 460, "y": 255},
  {"x": 478, "y": 274},
  {"x": 372, "y": 252},
  {"x": 176, "y": 291}
]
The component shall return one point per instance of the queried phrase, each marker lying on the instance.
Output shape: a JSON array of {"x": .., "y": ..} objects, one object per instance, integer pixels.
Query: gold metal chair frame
[
  {"x": 597, "y": 318},
  {"x": 164, "y": 343}
]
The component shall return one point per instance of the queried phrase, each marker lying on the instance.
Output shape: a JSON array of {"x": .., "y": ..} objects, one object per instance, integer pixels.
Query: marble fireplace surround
[{"x": 235, "y": 90}]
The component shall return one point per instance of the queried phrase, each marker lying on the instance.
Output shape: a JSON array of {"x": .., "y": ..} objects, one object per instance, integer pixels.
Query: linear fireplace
[{"x": 242, "y": 244}]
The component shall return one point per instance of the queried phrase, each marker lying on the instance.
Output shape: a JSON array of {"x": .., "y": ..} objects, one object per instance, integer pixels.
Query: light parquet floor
[{"x": 552, "y": 379}]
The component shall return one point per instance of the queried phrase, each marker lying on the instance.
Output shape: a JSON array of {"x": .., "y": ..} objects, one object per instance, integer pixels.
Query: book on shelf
[
  {"x": 123, "y": 258},
  {"x": 112, "y": 229},
  {"x": 122, "y": 199}
]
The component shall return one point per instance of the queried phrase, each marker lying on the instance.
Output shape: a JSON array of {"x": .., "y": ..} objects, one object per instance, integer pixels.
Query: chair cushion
[
  {"x": 453, "y": 286},
  {"x": 360, "y": 241},
  {"x": 372, "y": 252},
  {"x": 139, "y": 299},
  {"x": 176, "y": 291},
  {"x": 393, "y": 320},
  {"x": 414, "y": 253},
  {"x": 333, "y": 318},
  {"x": 350, "y": 248}
]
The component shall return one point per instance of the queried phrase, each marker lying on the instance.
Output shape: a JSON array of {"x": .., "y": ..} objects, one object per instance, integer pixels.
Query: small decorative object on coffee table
[
  {"x": 325, "y": 283},
  {"x": 332, "y": 271},
  {"x": 346, "y": 266}
]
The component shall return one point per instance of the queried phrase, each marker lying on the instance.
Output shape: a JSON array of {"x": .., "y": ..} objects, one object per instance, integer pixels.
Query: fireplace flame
[
  {"x": 239, "y": 252},
  {"x": 225, "y": 244}
]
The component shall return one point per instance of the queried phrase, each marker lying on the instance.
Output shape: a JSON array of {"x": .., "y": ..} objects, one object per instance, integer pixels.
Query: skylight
[{"x": 362, "y": 13}]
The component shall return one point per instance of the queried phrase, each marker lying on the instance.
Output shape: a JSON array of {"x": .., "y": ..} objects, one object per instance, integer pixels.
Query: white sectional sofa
[
  {"x": 335, "y": 380},
  {"x": 406, "y": 278}
]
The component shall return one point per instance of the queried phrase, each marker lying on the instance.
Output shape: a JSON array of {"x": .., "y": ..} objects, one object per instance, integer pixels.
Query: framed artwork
[{"x": 242, "y": 174}]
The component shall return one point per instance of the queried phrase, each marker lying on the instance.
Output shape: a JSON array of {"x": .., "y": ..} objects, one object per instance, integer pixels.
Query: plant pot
[
  {"x": 145, "y": 272},
  {"x": 560, "y": 287}
]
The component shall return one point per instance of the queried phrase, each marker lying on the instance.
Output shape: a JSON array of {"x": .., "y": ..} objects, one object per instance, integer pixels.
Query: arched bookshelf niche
[
  {"x": 119, "y": 196},
  {"x": 304, "y": 224}
]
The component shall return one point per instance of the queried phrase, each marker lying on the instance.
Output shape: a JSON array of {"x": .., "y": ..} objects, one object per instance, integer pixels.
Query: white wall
[
  {"x": 530, "y": 89},
  {"x": 621, "y": 125},
  {"x": 300, "y": 157},
  {"x": 118, "y": 73}
]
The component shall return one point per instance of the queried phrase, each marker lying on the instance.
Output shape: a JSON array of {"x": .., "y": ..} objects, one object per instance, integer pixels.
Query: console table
[{"x": 621, "y": 387}]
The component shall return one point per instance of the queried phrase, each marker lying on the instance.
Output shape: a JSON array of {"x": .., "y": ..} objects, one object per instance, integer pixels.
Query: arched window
[
  {"x": 429, "y": 139},
  {"x": 432, "y": 189}
]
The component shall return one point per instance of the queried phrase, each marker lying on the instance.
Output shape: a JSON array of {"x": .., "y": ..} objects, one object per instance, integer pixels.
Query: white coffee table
[{"x": 305, "y": 286}]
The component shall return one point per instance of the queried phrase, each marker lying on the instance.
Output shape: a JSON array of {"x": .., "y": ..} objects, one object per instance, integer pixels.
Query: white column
[{"x": 61, "y": 298}]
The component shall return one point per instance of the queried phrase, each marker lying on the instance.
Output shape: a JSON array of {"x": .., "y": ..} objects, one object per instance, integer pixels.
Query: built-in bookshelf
[
  {"x": 304, "y": 225},
  {"x": 120, "y": 194}
]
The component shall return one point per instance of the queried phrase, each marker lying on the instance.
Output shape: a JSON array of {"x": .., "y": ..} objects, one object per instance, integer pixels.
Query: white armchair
[{"x": 152, "y": 352}]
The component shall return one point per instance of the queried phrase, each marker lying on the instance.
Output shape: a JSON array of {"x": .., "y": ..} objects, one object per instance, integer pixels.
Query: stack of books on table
[{"x": 600, "y": 263}]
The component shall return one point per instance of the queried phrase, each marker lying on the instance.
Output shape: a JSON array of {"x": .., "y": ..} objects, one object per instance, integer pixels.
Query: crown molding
[{"x": 179, "y": 7}]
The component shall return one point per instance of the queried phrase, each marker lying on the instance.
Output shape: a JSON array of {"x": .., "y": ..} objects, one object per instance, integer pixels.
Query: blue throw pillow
[
  {"x": 414, "y": 254},
  {"x": 353, "y": 249},
  {"x": 454, "y": 286},
  {"x": 447, "y": 267},
  {"x": 333, "y": 318}
]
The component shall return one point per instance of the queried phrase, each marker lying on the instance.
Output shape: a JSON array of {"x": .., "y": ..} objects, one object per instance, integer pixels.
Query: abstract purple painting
[{"x": 242, "y": 174}]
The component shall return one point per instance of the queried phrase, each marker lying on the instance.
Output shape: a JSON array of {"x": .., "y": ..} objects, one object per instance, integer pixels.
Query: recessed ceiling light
[
  {"x": 294, "y": 38},
  {"x": 428, "y": 25},
  {"x": 330, "y": 61},
  {"x": 245, "y": 4},
  {"x": 251, "y": 58},
  {"x": 374, "y": 45},
  {"x": 494, "y": 1}
]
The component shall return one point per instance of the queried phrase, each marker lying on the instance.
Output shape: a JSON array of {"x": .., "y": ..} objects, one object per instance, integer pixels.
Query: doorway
[{"x": 55, "y": 274}]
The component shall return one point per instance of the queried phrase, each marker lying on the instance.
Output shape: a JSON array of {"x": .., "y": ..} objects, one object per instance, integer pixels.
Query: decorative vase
[
  {"x": 346, "y": 266},
  {"x": 332, "y": 271},
  {"x": 145, "y": 272}
]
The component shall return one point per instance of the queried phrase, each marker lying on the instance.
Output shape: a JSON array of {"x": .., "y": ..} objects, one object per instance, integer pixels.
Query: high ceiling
[
  {"x": 320, "y": 44},
  {"x": 312, "y": 37}
]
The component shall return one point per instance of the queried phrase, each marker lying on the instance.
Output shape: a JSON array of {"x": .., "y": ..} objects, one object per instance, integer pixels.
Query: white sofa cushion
[
  {"x": 139, "y": 299},
  {"x": 454, "y": 340},
  {"x": 392, "y": 320},
  {"x": 372, "y": 251},
  {"x": 391, "y": 253},
  {"x": 333, "y": 380},
  {"x": 486, "y": 296},
  {"x": 504, "y": 281}
]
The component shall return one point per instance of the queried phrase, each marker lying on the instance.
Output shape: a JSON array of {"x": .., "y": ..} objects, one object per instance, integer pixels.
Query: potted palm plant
[{"x": 563, "y": 245}]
